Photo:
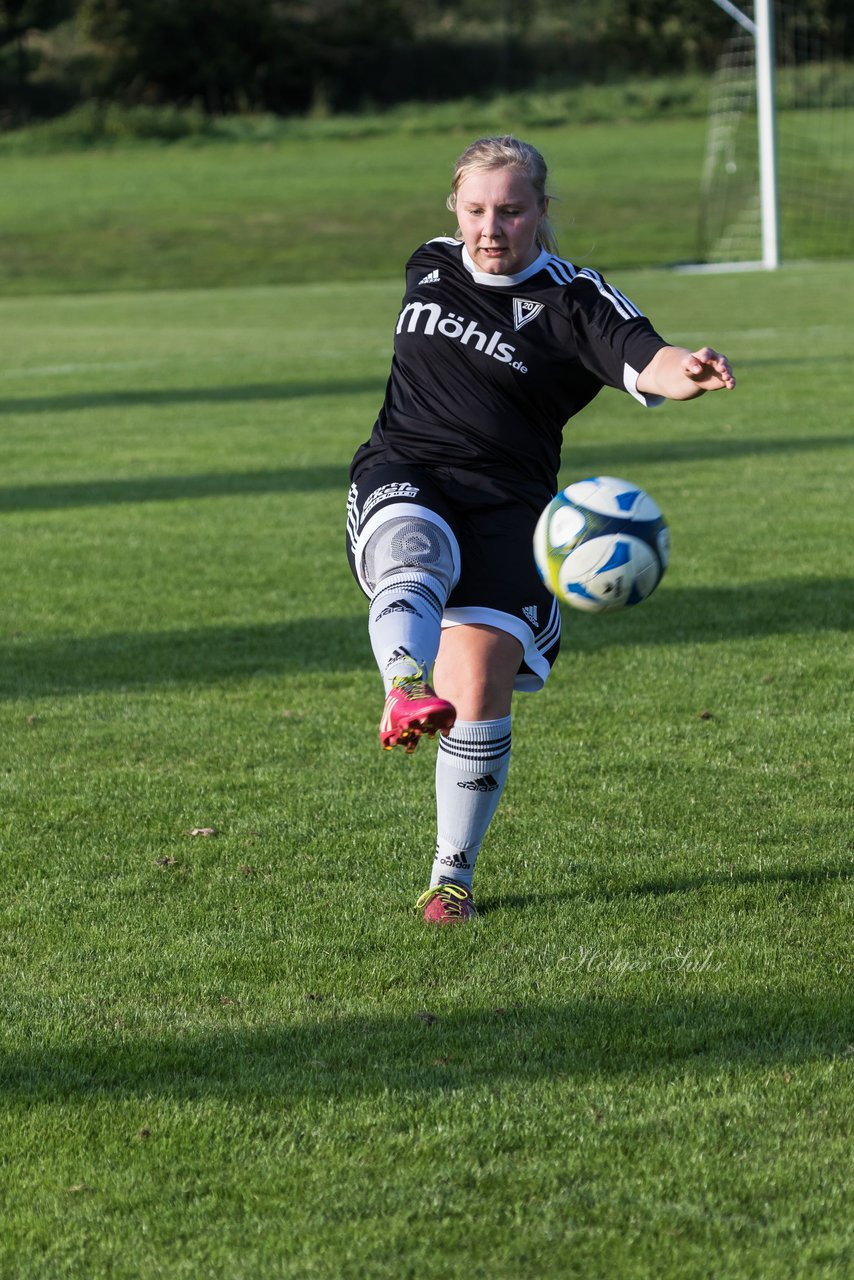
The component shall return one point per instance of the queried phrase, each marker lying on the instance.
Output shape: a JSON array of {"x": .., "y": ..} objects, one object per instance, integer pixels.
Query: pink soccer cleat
[
  {"x": 411, "y": 710},
  {"x": 448, "y": 903}
]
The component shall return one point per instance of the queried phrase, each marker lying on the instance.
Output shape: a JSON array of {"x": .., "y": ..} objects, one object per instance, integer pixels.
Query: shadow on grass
[
  {"x": 797, "y": 878},
  {"x": 585, "y": 460},
  {"x": 200, "y": 655},
  {"x": 617, "y": 459},
  {"x": 707, "y": 615},
  {"x": 604, "y": 1036},
  {"x": 91, "y": 493},
  {"x": 197, "y": 655},
  {"x": 159, "y": 396}
]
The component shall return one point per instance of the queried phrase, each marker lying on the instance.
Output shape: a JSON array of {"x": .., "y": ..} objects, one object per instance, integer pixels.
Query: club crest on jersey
[{"x": 524, "y": 310}]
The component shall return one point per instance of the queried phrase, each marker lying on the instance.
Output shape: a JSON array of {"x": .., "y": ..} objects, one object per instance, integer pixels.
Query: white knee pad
[{"x": 409, "y": 542}]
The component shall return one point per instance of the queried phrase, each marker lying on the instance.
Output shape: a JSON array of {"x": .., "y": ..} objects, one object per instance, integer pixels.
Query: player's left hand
[{"x": 708, "y": 370}]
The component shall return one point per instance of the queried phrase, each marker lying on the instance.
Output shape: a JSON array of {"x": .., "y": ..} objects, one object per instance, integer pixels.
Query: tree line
[{"x": 294, "y": 56}]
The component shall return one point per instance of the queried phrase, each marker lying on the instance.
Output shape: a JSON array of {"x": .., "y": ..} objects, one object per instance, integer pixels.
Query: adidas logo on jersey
[
  {"x": 454, "y": 326},
  {"x": 523, "y": 311},
  {"x": 530, "y": 612},
  {"x": 486, "y": 783},
  {"x": 432, "y": 277}
]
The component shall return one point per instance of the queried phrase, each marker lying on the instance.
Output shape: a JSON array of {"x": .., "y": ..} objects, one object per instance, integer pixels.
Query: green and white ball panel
[
  {"x": 566, "y": 526},
  {"x": 602, "y": 544}
]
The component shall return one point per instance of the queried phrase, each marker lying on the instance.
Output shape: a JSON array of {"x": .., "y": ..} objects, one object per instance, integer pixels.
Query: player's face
[{"x": 499, "y": 211}]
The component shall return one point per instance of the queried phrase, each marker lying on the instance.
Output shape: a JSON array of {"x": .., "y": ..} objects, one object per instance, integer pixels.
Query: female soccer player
[{"x": 498, "y": 343}]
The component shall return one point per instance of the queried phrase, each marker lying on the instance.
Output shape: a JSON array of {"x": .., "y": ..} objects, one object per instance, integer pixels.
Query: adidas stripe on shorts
[{"x": 492, "y": 532}]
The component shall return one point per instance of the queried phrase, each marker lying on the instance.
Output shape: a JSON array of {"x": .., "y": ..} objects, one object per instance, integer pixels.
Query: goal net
[{"x": 814, "y": 127}]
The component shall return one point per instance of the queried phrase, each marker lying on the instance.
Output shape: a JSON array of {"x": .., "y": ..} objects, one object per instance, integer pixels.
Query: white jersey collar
[{"x": 484, "y": 277}]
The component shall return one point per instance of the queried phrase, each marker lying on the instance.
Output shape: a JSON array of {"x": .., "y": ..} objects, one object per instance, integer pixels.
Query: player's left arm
[{"x": 680, "y": 374}]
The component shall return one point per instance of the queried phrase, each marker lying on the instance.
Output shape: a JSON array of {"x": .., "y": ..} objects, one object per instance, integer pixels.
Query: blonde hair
[{"x": 507, "y": 152}]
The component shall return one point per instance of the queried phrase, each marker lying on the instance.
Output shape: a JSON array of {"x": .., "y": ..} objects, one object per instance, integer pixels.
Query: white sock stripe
[
  {"x": 471, "y": 752},
  {"x": 400, "y": 581},
  {"x": 465, "y": 740},
  {"x": 482, "y": 729},
  {"x": 497, "y": 746},
  {"x": 410, "y": 586}
]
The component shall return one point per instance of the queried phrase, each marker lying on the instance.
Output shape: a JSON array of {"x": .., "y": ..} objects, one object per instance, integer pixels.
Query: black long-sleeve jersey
[{"x": 488, "y": 369}]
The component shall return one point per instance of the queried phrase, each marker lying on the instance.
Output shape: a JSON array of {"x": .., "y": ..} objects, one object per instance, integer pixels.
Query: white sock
[
  {"x": 405, "y": 623},
  {"x": 471, "y": 770}
]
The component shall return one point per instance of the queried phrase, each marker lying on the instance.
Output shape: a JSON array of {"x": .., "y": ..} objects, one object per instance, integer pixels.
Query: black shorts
[{"x": 491, "y": 533}]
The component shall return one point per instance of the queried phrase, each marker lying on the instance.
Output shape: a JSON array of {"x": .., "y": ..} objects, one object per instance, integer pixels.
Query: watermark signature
[{"x": 620, "y": 962}]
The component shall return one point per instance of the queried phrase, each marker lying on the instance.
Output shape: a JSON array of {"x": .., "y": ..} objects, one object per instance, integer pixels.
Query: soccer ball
[{"x": 602, "y": 544}]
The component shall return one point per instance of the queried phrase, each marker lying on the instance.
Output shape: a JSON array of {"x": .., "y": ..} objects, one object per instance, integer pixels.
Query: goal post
[
  {"x": 766, "y": 115},
  {"x": 761, "y": 30},
  {"x": 779, "y": 159}
]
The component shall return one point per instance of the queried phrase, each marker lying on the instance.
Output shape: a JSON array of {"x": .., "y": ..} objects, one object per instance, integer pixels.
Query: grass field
[
  {"x": 304, "y": 210},
  {"x": 240, "y": 1055},
  {"x": 326, "y": 204}
]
